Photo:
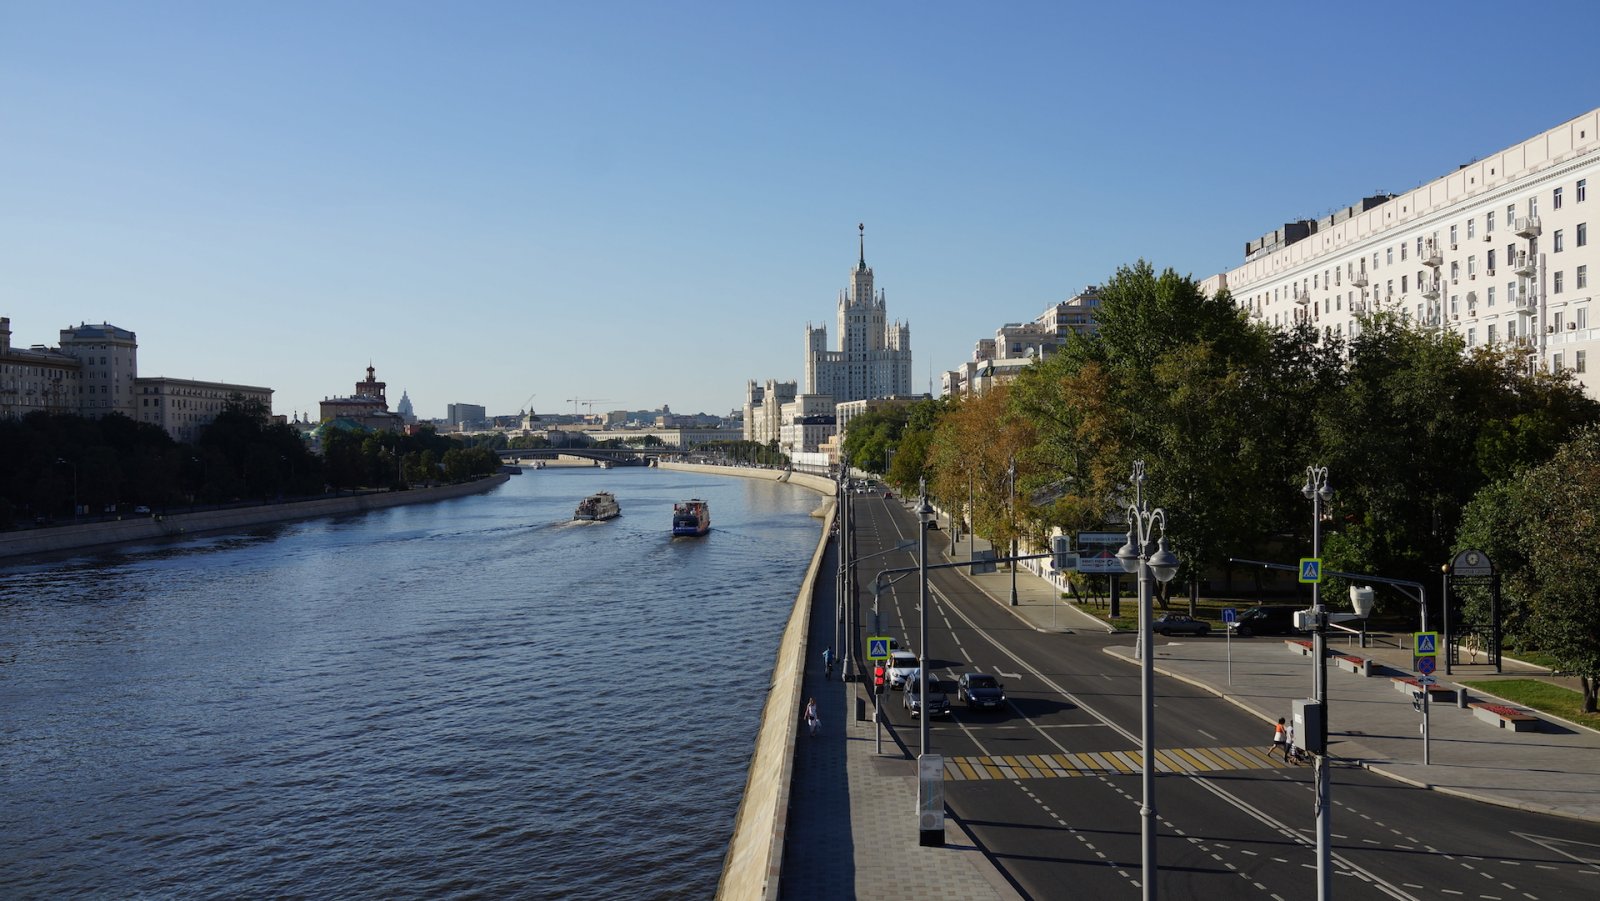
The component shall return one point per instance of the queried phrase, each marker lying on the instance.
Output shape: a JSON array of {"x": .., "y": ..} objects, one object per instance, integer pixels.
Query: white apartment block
[
  {"x": 1016, "y": 345},
  {"x": 1498, "y": 251},
  {"x": 808, "y": 423},
  {"x": 874, "y": 355},
  {"x": 184, "y": 407},
  {"x": 110, "y": 360},
  {"x": 763, "y": 409}
]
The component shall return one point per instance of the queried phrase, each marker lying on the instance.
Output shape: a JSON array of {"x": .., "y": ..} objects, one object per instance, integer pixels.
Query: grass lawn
[{"x": 1541, "y": 696}]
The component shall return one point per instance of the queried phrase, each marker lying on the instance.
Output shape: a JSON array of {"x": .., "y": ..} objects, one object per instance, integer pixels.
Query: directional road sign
[
  {"x": 1311, "y": 569},
  {"x": 1426, "y": 643},
  {"x": 1426, "y": 679},
  {"x": 1230, "y": 615},
  {"x": 878, "y": 647}
]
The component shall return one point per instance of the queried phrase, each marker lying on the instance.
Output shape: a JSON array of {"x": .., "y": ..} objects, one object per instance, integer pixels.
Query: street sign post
[
  {"x": 878, "y": 647},
  {"x": 1229, "y": 617}
]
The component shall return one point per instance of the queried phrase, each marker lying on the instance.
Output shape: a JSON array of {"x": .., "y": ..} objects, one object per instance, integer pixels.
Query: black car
[
  {"x": 1268, "y": 619},
  {"x": 981, "y": 690}
]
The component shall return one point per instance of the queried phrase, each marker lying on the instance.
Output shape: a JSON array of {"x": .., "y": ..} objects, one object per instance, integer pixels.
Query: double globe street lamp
[{"x": 1137, "y": 556}]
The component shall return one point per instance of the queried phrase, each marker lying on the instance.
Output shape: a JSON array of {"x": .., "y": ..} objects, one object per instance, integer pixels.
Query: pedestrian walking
[
  {"x": 1280, "y": 740},
  {"x": 812, "y": 719},
  {"x": 1291, "y": 754},
  {"x": 827, "y": 662}
]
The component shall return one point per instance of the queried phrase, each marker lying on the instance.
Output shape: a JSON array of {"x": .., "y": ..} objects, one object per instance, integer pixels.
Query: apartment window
[
  {"x": 1556, "y": 322},
  {"x": 1559, "y": 241},
  {"x": 1455, "y": 305},
  {"x": 1472, "y": 229},
  {"x": 1490, "y": 334},
  {"x": 1489, "y": 296},
  {"x": 1403, "y": 284},
  {"x": 1402, "y": 251},
  {"x": 1388, "y": 256},
  {"x": 1583, "y": 189},
  {"x": 1582, "y": 277},
  {"x": 1374, "y": 261},
  {"x": 1557, "y": 283},
  {"x": 1511, "y": 331},
  {"x": 1583, "y": 234},
  {"x": 1472, "y": 267},
  {"x": 1511, "y": 253},
  {"x": 1452, "y": 235},
  {"x": 1472, "y": 337},
  {"x": 1555, "y": 361},
  {"x": 1580, "y": 360},
  {"x": 1533, "y": 206},
  {"x": 1555, "y": 199},
  {"x": 1313, "y": 280},
  {"x": 1490, "y": 262},
  {"x": 1582, "y": 316},
  {"x": 1511, "y": 216},
  {"x": 1419, "y": 248},
  {"x": 1511, "y": 292},
  {"x": 1488, "y": 222},
  {"x": 1455, "y": 270}
]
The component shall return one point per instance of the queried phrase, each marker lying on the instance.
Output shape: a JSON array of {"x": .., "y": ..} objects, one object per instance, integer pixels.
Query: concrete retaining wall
[
  {"x": 755, "y": 853},
  {"x": 148, "y": 528}
]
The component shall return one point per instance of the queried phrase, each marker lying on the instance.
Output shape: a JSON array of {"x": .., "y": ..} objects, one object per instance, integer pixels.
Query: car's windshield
[
  {"x": 904, "y": 660},
  {"x": 980, "y": 681}
]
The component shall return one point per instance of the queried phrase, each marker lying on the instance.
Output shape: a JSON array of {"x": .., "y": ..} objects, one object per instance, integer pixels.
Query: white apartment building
[
  {"x": 808, "y": 423},
  {"x": 110, "y": 360},
  {"x": 1016, "y": 345},
  {"x": 184, "y": 407},
  {"x": 874, "y": 355},
  {"x": 1498, "y": 251},
  {"x": 763, "y": 409}
]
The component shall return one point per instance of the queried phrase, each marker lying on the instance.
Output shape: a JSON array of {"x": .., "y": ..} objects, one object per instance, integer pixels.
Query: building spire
[{"x": 861, "y": 227}]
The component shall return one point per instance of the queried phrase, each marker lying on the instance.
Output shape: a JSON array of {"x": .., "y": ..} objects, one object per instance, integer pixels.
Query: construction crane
[
  {"x": 527, "y": 408},
  {"x": 586, "y": 401}
]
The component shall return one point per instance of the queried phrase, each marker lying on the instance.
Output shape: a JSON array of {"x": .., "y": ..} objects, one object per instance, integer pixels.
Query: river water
[{"x": 470, "y": 698}]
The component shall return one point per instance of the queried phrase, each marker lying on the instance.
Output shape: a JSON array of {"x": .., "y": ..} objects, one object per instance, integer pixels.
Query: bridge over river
[{"x": 618, "y": 456}]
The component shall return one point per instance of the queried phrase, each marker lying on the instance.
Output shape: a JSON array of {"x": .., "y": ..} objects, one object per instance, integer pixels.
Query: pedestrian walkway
[{"x": 1107, "y": 763}]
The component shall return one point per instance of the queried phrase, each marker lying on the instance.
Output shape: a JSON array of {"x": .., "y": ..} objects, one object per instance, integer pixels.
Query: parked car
[
  {"x": 901, "y": 665},
  {"x": 1179, "y": 624},
  {"x": 938, "y": 701},
  {"x": 141, "y": 509},
  {"x": 980, "y": 690},
  {"x": 1268, "y": 619}
]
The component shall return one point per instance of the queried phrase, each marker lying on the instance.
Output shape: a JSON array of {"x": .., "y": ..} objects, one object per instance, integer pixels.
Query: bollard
[{"x": 1461, "y": 697}]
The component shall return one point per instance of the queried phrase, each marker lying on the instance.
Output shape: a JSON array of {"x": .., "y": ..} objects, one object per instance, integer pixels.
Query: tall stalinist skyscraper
[{"x": 874, "y": 355}]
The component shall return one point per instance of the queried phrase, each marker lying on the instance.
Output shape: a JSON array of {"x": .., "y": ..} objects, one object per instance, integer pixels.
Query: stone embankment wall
[
  {"x": 755, "y": 853},
  {"x": 148, "y": 528}
]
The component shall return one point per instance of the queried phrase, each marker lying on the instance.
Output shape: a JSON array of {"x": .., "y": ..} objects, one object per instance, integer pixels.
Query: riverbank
[{"x": 15, "y": 546}]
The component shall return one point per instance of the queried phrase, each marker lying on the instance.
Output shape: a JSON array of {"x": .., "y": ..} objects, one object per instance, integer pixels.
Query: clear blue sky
[{"x": 646, "y": 202}]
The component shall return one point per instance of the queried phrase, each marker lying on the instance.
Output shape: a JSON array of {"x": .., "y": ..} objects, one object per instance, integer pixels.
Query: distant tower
[
  {"x": 873, "y": 357},
  {"x": 371, "y": 387},
  {"x": 404, "y": 409}
]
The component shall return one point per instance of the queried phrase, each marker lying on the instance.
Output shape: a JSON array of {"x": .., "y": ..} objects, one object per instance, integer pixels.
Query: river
[{"x": 471, "y": 698}]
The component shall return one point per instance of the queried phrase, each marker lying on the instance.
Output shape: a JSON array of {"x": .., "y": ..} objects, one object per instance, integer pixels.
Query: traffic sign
[
  {"x": 1426, "y": 643},
  {"x": 1230, "y": 615},
  {"x": 1426, "y": 679},
  {"x": 878, "y": 647},
  {"x": 1426, "y": 666},
  {"x": 1311, "y": 570}
]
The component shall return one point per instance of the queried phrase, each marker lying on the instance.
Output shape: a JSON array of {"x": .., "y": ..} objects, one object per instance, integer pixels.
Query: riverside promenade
[{"x": 850, "y": 830}]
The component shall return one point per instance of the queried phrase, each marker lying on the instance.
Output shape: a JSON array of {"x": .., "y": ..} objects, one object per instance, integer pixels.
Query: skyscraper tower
[{"x": 874, "y": 356}]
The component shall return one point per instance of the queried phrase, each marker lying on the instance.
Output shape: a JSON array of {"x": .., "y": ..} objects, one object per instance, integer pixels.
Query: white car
[{"x": 902, "y": 664}]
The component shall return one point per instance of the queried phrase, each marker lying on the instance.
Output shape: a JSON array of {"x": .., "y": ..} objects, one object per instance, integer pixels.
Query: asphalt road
[{"x": 1243, "y": 829}]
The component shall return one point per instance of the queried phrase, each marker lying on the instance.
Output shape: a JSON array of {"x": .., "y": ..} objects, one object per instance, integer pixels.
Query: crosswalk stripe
[{"x": 1183, "y": 761}]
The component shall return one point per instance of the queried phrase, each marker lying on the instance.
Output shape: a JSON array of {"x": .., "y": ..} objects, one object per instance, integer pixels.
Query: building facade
[
  {"x": 763, "y": 409},
  {"x": 109, "y": 357},
  {"x": 1498, "y": 251},
  {"x": 367, "y": 407},
  {"x": 183, "y": 407},
  {"x": 808, "y": 422},
  {"x": 874, "y": 355},
  {"x": 36, "y": 379},
  {"x": 1016, "y": 345}
]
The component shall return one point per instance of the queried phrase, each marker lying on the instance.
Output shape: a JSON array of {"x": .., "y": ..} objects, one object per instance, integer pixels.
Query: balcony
[
  {"x": 1359, "y": 280},
  {"x": 1431, "y": 256},
  {"x": 1523, "y": 301},
  {"x": 1525, "y": 263},
  {"x": 1528, "y": 227},
  {"x": 1430, "y": 291},
  {"x": 1358, "y": 307}
]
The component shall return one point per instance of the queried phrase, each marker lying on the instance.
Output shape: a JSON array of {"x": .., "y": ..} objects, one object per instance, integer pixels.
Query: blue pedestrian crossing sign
[
  {"x": 1311, "y": 569},
  {"x": 878, "y": 647},
  {"x": 1426, "y": 643}
]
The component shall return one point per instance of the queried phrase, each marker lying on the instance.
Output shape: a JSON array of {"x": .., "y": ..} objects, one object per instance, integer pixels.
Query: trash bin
[{"x": 861, "y": 710}]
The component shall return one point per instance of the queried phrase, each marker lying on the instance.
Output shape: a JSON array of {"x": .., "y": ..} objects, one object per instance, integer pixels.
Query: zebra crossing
[{"x": 1186, "y": 761}]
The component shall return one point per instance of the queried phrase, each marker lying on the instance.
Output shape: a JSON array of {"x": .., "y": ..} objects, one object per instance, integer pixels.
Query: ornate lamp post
[
  {"x": 1011, "y": 472},
  {"x": 930, "y": 793},
  {"x": 1136, "y": 557}
]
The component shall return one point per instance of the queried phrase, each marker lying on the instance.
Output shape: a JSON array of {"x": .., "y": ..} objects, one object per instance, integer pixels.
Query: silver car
[{"x": 901, "y": 665}]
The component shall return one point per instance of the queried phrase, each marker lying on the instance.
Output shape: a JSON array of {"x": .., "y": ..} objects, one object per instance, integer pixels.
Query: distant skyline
[{"x": 646, "y": 202}]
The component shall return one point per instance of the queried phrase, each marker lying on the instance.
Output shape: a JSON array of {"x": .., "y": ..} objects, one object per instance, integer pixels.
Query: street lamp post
[
  {"x": 1012, "y": 472},
  {"x": 1317, "y": 491},
  {"x": 930, "y": 801},
  {"x": 1136, "y": 557},
  {"x": 839, "y": 581},
  {"x": 74, "y": 485}
]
